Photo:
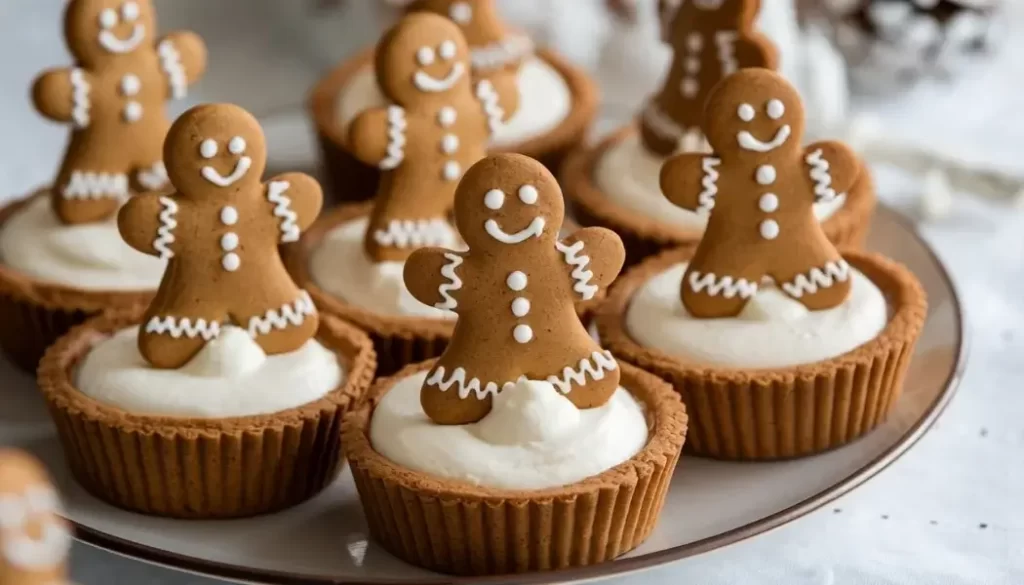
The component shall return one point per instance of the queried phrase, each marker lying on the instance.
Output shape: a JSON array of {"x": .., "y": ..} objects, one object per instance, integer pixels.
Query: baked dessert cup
[{"x": 200, "y": 467}]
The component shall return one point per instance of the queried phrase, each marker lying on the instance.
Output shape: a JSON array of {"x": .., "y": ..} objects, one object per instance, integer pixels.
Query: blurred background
[{"x": 929, "y": 90}]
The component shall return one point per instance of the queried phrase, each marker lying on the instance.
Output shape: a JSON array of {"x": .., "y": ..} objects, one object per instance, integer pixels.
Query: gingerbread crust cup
[
  {"x": 36, "y": 313},
  {"x": 398, "y": 340},
  {"x": 645, "y": 236},
  {"x": 764, "y": 414},
  {"x": 201, "y": 468},
  {"x": 348, "y": 180},
  {"x": 458, "y": 528}
]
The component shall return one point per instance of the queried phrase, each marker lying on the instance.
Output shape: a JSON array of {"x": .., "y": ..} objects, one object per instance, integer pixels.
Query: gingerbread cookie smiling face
[
  {"x": 34, "y": 540},
  {"x": 514, "y": 292},
  {"x": 759, "y": 187},
  {"x": 115, "y": 99},
  {"x": 438, "y": 126},
  {"x": 711, "y": 39},
  {"x": 220, "y": 232}
]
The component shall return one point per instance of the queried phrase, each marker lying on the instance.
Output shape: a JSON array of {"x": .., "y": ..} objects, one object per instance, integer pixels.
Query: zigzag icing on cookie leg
[
  {"x": 817, "y": 279},
  {"x": 596, "y": 366},
  {"x": 417, "y": 233},
  {"x": 472, "y": 386},
  {"x": 178, "y": 327},
  {"x": 454, "y": 282},
  {"x": 714, "y": 285},
  {"x": 283, "y": 210},
  {"x": 579, "y": 273},
  {"x": 288, "y": 315},
  {"x": 89, "y": 185}
]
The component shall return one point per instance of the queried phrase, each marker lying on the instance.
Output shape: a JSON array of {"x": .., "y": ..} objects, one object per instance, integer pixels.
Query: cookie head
[
  {"x": 508, "y": 200},
  {"x": 34, "y": 539},
  {"x": 754, "y": 112},
  {"x": 103, "y": 29},
  {"x": 710, "y": 15},
  {"x": 423, "y": 57},
  {"x": 215, "y": 148}
]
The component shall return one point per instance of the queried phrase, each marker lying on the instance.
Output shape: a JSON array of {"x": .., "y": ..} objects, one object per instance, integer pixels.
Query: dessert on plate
[
  {"x": 34, "y": 539},
  {"x": 525, "y": 446},
  {"x": 61, "y": 258},
  {"x": 615, "y": 183},
  {"x": 780, "y": 344},
  {"x": 223, "y": 398},
  {"x": 546, "y": 104}
]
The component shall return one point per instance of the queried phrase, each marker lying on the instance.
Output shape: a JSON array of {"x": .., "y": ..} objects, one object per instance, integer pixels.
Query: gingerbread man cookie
[
  {"x": 760, "y": 186},
  {"x": 496, "y": 53},
  {"x": 515, "y": 292},
  {"x": 34, "y": 539},
  {"x": 115, "y": 98},
  {"x": 220, "y": 233},
  {"x": 438, "y": 126},
  {"x": 711, "y": 39}
]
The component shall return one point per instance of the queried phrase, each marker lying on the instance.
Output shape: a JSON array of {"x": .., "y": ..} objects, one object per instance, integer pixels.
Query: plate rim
[{"x": 218, "y": 570}]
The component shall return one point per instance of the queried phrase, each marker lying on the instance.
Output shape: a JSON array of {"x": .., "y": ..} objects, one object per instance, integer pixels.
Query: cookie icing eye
[
  {"x": 108, "y": 18},
  {"x": 447, "y": 50},
  {"x": 425, "y": 56},
  {"x": 776, "y": 109},
  {"x": 528, "y": 194},
  {"x": 237, "y": 145},
  {"x": 746, "y": 112},
  {"x": 130, "y": 11},
  {"x": 494, "y": 199},
  {"x": 461, "y": 12},
  {"x": 208, "y": 148}
]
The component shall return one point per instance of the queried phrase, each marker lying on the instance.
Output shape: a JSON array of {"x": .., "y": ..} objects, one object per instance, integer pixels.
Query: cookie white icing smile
[
  {"x": 109, "y": 19},
  {"x": 208, "y": 149},
  {"x": 749, "y": 142},
  {"x": 425, "y": 82},
  {"x": 534, "y": 230}
]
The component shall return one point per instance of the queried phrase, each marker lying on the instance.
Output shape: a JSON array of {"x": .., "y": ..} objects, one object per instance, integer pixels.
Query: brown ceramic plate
[{"x": 325, "y": 540}]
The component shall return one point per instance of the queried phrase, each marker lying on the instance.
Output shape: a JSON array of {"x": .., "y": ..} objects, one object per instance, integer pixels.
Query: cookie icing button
[
  {"x": 516, "y": 281},
  {"x": 523, "y": 333},
  {"x": 109, "y": 19},
  {"x": 766, "y": 174}
]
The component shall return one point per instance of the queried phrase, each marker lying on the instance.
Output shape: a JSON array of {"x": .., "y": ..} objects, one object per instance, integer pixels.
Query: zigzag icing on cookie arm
[
  {"x": 183, "y": 327},
  {"x": 396, "y": 138},
  {"x": 579, "y": 273},
  {"x": 410, "y": 233},
  {"x": 81, "y": 105},
  {"x": 283, "y": 210},
  {"x": 595, "y": 366},
  {"x": 821, "y": 175},
  {"x": 89, "y": 185},
  {"x": 706, "y": 199},
  {"x": 714, "y": 285},
  {"x": 817, "y": 279},
  {"x": 165, "y": 233},
  {"x": 489, "y": 99},
  {"x": 288, "y": 315},
  {"x": 170, "y": 62},
  {"x": 726, "y": 41},
  {"x": 454, "y": 282}
]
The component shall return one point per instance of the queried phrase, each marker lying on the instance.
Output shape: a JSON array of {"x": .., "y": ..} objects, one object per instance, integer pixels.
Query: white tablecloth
[{"x": 950, "y": 512}]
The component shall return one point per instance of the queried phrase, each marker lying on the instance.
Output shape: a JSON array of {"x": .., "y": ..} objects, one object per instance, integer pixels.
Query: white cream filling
[
  {"x": 230, "y": 377},
  {"x": 628, "y": 174},
  {"x": 773, "y": 331},
  {"x": 545, "y": 101},
  {"x": 341, "y": 267},
  {"x": 89, "y": 256},
  {"x": 533, "y": 438}
]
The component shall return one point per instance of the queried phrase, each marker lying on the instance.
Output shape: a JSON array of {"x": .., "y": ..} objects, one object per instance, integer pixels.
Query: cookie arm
[
  {"x": 593, "y": 256},
  {"x": 832, "y": 169},
  {"x": 148, "y": 224},
  {"x": 62, "y": 95},
  {"x": 690, "y": 181},
  {"x": 756, "y": 50},
  {"x": 183, "y": 60},
  {"x": 377, "y": 137},
  {"x": 433, "y": 276},
  {"x": 296, "y": 200}
]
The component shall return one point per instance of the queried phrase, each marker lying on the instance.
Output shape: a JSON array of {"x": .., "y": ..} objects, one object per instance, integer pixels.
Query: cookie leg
[
  {"x": 168, "y": 352},
  {"x": 280, "y": 325},
  {"x": 449, "y": 396},
  {"x": 821, "y": 284},
  {"x": 712, "y": 290},
  {"x": 82, "y": 195}
]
